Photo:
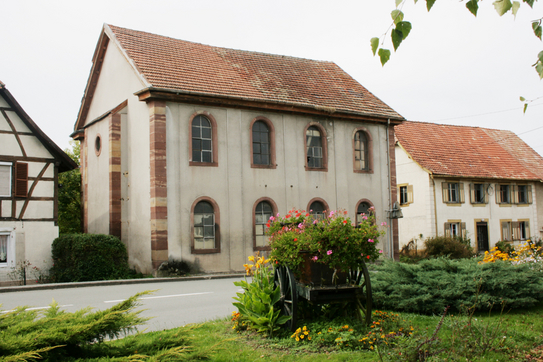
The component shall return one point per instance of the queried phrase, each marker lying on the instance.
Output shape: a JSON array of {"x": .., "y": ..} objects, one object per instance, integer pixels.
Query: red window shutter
[{"x": 21, "y": 179}]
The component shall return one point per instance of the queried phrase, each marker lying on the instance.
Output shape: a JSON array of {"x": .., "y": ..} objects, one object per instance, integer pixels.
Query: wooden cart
[{"x": 357, "y": 289}]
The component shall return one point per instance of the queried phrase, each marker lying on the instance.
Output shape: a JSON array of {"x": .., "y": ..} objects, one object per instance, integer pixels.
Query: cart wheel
[
  {"x": 284, "y": 278},
  {"x": 361, "y": 277}
]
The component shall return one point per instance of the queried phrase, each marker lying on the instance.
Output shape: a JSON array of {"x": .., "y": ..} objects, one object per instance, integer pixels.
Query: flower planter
[{"x": 318, "y": 274}]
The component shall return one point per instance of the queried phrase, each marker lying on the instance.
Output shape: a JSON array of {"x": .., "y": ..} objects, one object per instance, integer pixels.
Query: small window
[
  {"x": 455, "y": 229},
  {"x": 204, "y": 226},
  {"x": 261, "y": 144},
  {"x": 202, "y": 141},
  {"x": 5, "y": 179},
  {"x": 4, "y": 243},
  {"x": 317, "y": 210},
  {"x": 98, "y": 145},
  {"x": 405, "y": 192},
  {"x": 478, "y": 193},
  {"x": 361, "y": 151},
  {"x": 263, "y": 212},
  {"x": 314, "y": 148},
  {"x": 522, "y": 194},
  {"x": 453, "y": 192},
  {"x": 363, "y": 210},
  {"x": 524, "y": 230},
  {"x": 504, "y": 194}
]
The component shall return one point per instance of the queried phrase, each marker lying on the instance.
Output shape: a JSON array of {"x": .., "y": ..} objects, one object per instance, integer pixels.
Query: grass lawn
[{"x": 508, "y": 336}]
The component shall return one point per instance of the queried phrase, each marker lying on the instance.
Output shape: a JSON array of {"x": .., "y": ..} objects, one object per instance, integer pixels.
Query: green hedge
[
  {"x": 87, "y": 257},
  {"x": 431, "y": 285}
]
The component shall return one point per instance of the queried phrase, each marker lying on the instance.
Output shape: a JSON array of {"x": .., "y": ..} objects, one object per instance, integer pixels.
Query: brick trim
[
  {"x": 393, "y": 191},
  {"x": 115, "y": 175},
  {"x": 158, "y": 184},
  {"x": 326, "y": 207}
]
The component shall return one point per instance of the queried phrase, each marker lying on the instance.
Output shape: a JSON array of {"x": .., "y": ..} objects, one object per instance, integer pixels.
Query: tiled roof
[
  {"x": 469, "y": 151},
  {"x": 174, "y": 64}
]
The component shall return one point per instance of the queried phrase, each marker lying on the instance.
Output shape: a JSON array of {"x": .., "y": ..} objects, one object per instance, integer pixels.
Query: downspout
[
  {"x": 390, "y": 239},
  {"x": 435, "y": 201}
]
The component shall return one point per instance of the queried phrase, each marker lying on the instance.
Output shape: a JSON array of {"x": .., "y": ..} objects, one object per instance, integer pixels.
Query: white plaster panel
[
  {"x": 39, "y": 210},
  {"x": 33, "y": 147},
  {"x": 10, "y": 146},
  {"x": 34, "y": 169},
  {"x": 3, "y": 102},
  {"x": 4, "y": 125},
  {"x": 17, "y": 122},
  {"x": 5, "y": 210},
  {"x": 44, "y": 189}
]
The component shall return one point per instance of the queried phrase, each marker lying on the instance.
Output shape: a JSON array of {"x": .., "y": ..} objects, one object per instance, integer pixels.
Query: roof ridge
[{"x": 457, "y": 125}]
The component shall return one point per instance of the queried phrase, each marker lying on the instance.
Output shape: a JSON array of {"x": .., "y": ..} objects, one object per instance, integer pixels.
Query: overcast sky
[{"x": 452, "y": 69}]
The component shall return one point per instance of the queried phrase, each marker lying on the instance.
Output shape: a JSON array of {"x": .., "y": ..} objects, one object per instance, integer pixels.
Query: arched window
[
  {"x": 263, "y": 212},
  {"x": 363, "y": 211},
  {"x": 202, "y": 140},
  {"x": 317, "y": 209},
  {"x": 361, "y": 151},
  {"x": 314, "y": 148},
  {"x": 261, "y": 144},
  {"x": 204, "y": 226}
]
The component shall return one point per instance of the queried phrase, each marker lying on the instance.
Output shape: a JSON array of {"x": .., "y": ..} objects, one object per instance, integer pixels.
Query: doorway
[{"x": 482, "y": 236}]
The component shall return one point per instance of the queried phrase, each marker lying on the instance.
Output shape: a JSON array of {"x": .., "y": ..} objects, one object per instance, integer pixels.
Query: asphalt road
[{"x": 173, "y": 304}]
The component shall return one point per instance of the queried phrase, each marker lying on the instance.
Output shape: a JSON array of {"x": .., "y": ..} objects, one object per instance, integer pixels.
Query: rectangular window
[
  {"x": 453, "y": 192},
  {"x": 405, "y": 192},
  {"x": 478, "y": 193},
  {"x": 507, "y": 230},
  {"x": 4, "y": 243},
  {"x": 503, "y": 194},
  {"x": 5, "y": 179},
  {"x": 455, "y": 229},
  {"x": 522, "y": 194},
  {"x": 524, "y": 230}
]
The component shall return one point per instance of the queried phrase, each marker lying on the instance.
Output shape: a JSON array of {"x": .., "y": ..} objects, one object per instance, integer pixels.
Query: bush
[
  {"x": 451, "y": 247},
  {"x": 175, "y": 267},
  {"x": 87, "y": 257},
  {"x": 431, "y": 285}
]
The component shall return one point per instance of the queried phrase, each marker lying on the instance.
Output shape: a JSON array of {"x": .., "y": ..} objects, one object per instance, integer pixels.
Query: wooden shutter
[
  {"x": 448, "y": 229},
  {"x": 472, "y": 193},
  {"x": 445, "y": 189},
  {"x": 516, "y": 230},
  {"x": 506, "y": 234},
  {"x": 529, "y": 192},
  {"x": 498, "y": 194},
  {"x": 461, "y": 192},
  {"x": 409, "y": 194},
  {"x": 21, "y": 179},
  {"x": 463, "y": 230},
  {"x": 514, "y": 194}
]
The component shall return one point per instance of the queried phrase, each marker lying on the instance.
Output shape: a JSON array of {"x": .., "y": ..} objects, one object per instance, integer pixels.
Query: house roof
[
  {"x": 460, "y": 151},
  {"x": 181, "y": 66},
  {"x": 66, "y": 163}
]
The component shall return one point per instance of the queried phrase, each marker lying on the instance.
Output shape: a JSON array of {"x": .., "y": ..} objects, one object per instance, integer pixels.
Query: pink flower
[
  {"x": 315, "y": 258},
  {"x": 383, "y": 224},
  {"x": 329, "y": 252},
  {"x": 272, "y": 218},
  {"x": 300, "y": 225},
  {"x": 314, "y": 221},
  {"x": 364, "y": 217},
  {"x": 362, "y": 254},
  {"x": 380, "y": 252},
  {"x": 370, "y": 240}
]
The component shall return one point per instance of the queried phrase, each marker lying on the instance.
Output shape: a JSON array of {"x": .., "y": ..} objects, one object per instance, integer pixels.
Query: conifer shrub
[
  {"x": 451, "y": 247},
  {"x": 431, "y": 285},
  {"x": 88, "y": 257}
]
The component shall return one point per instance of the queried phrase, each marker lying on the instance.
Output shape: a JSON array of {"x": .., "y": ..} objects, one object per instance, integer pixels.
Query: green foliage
[
  {"x": 431, "y": 285},
  {"x": 451, "y": 247},
  {"x": 399, "y": 29},
  {"x": 175, "y": 267},
  {"x": 87, "y": 257},
  {"x": 332, "y": 240},
  {"x": 257, "y": 303},
  {"x": 69, "y": 195}
]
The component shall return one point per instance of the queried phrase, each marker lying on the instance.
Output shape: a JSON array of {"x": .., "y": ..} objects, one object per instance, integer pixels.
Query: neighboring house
[
  {"x": 29, "y": 167},
  {"x": 484, "y": 184},
  {"x": 188, "y": 149}
]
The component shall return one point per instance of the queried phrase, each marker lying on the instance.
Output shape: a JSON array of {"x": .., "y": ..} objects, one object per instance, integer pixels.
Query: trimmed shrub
[
  {"x": 453, "y": 248},
  {"x": 431, "y": 285},
  {"x": 87, "y": 257}
]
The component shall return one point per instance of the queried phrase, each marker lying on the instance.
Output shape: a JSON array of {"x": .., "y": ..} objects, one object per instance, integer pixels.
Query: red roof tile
[
  {"x": 191, "y": 67},
  {"x": 469, "y": 151}
]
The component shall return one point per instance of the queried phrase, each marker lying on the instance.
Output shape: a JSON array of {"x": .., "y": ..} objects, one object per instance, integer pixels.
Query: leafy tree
[
  {"x": 69, "y": 195},
  {"x": 400, "y": 29}
]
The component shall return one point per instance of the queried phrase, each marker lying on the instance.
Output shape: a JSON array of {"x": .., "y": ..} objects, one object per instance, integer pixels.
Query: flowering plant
[
  {"x": 531, "y": 252},
  {"x": 332, "y": 240}
]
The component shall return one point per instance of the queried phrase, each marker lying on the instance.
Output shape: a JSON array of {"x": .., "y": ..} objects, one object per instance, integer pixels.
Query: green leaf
[
  {"x": 502, "y": 6},
  {"x": 397, "y": 37},
  {"x": 396, "y": 15},
  {"x": 539, "y": 69},
  {"x": 384, "y": 55},
  {"x": 522, "y": 99},
  {"x": 404, "y": 27},
  {"x": 429, "y": 4},
  {"x": 540, "y": 56},
  {"x": 473, "y": 6},
  {"x": 398, "y": 2},
  {"x": 536, "y": 26},
  {"x": 374, "y": 45},
  {"x": 514, "y": 9},
  {"x": 525, "y": 107},
  {"x": 530, "y": 2}
]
